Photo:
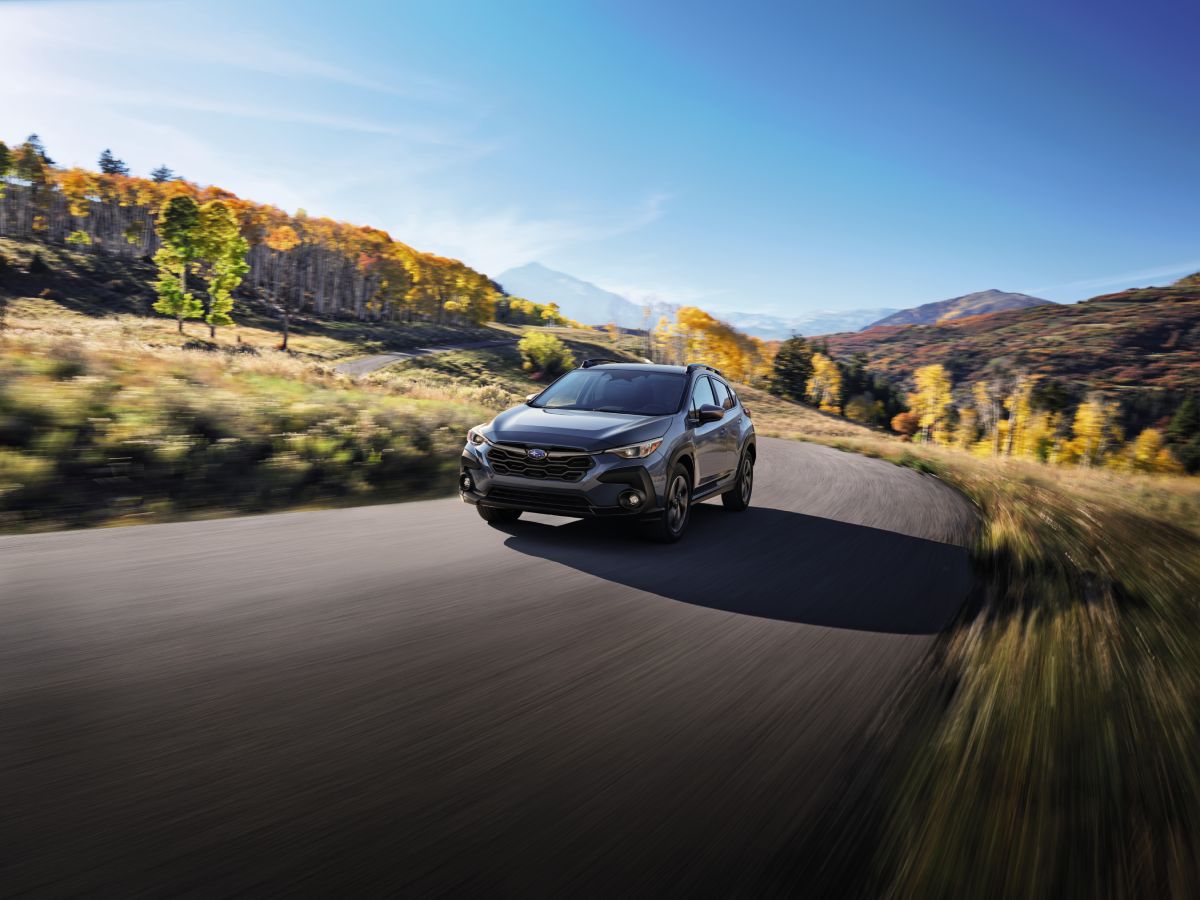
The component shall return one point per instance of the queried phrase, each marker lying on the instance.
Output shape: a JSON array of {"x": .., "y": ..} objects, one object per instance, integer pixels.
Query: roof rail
[
  {"x": 692, "y": 367},
  {"x": 597, "y": 361}
]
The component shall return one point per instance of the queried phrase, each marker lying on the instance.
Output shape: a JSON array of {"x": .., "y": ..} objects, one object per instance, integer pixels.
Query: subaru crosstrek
[{"x": 615, "y": 439}]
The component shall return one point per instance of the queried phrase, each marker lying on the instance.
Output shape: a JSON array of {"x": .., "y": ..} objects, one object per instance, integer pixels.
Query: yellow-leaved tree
[
  {"x": 1148, "y": 453},
  {"x": 825, "y": 384},
  {"x": 1095, "y": 433},
  {"x": 931, "y": 402}
]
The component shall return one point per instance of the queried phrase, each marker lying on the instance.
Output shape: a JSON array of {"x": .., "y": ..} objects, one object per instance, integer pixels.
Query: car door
[
  {"x": 706, "y": 435},
  {"x": 728, "y": 433}
]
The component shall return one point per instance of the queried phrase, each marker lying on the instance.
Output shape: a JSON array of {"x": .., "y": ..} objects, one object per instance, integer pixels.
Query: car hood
[{"x": 575, "y": 428}]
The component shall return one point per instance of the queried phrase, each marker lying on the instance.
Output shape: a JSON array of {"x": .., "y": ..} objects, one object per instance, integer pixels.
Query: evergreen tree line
[{"x": 297, "y": 263}]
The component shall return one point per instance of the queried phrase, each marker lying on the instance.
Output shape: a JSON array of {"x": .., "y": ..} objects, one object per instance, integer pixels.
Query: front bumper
[{"x": 596, "y": 494}]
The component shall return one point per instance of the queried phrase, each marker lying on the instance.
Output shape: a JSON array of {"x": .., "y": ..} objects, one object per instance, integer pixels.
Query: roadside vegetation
[
  {"x": 1050, "y": 748},
  {"x": 107, "y": 421}
]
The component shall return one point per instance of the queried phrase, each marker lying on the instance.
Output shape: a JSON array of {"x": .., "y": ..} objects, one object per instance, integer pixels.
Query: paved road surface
[
  {"x": 366, "y": 364},
  {"x": 402, "y": 700}
]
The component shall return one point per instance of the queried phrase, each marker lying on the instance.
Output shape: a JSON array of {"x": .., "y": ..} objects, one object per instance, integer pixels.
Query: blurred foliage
[
  {"x": 545, "y": 355},
  {"x": 1051, "y": 748},
  {"x": 94, "y": 432}
]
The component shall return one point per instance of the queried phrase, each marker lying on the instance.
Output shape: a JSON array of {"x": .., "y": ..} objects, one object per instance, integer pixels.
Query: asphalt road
[
  {"x": 365, "y": 364},
  {"x": 402, "y": 700}
]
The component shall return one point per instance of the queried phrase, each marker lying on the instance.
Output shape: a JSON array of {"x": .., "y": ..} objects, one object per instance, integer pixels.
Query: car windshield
[{"x": 616, "y": 391}]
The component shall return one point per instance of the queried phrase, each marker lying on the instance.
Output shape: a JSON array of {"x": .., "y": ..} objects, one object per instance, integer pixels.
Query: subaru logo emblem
[{"x": 535, "y": 453}]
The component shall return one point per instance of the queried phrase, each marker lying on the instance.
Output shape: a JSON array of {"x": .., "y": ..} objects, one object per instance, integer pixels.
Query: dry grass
[{"x": 32, "y": 317}]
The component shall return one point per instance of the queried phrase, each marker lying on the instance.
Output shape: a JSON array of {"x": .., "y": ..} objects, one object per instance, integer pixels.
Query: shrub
[
  {"x": 544, "y": 354},
  {"x": 906, "y": 423},
  {"x": 199, "y": 344}
]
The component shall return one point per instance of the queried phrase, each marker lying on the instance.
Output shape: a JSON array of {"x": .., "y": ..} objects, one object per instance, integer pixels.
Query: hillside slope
[
  {"x": 1147, "y": 337},
  {"x": 975, "y": 304}
]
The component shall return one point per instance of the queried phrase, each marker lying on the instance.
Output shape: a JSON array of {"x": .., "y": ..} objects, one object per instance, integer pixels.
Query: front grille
[
  {"x": 558, "y": 466},
  {"x": 547, "y": 501}
]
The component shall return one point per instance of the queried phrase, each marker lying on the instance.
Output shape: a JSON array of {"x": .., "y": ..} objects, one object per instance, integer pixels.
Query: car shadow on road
[{"x": 773, "y": 564}]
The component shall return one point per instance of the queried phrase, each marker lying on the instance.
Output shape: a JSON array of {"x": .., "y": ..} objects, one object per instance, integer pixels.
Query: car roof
[{"x": 639, "y": 367}]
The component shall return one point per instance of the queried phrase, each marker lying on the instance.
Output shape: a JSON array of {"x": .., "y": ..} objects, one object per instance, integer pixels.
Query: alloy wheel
[{"x": 677, "y": 504}]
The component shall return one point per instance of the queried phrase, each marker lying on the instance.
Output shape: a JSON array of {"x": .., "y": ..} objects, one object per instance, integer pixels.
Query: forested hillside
[
  {"x": 297, "y": 263},
  {"x": 1142, "y": 338}
]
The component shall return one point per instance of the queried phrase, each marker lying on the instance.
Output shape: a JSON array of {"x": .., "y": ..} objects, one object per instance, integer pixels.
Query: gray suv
[{"x": 615, "y": 439}]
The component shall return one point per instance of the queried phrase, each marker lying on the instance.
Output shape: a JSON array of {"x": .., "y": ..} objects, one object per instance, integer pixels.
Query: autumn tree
[
  {"x": 1148, "y": 453},
  {"x": 221, "y": 255},
  {"x": 1095, "y": 432},
  {"x": 110, "y": 165},
  {"x": 824, "y": 387},
  {"x": 931, "y": 401},
  {"x": 792, "y": 369},
  {"x": 282, "y": 240},
  {"x": 31, "y": 165},
  {"x": 178, "y": 229},
  {"x": 906, "y": 424}
]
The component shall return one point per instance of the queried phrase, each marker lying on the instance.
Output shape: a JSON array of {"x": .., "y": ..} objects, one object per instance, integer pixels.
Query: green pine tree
[{"x": 793, "y": 369}]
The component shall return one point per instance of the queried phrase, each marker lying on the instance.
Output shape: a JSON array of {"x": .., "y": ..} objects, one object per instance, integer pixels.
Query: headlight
[
  {"x": 475, "y": 436},
  {"x": 637, "y": 451}
]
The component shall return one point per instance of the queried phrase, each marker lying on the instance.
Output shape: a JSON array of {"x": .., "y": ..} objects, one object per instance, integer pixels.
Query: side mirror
[{"x": 710, "y": 413}]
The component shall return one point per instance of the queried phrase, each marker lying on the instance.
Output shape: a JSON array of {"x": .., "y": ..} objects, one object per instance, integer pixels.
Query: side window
[
  {"x": 724, "y": 395},
  {"x": 701, "y": 393}
]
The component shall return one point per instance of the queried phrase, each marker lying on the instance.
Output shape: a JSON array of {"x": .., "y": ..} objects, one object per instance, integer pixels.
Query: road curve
[
  {"x": 365, "y": 364},
  {"x": 402, "y": 700}
]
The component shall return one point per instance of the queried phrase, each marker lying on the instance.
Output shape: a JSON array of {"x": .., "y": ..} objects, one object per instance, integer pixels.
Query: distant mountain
[
  {"x": 577, "y": 299},
  {"x": 1144, "y": 338},
  {"x": 957, "y": 307},
  {"x": 774, "y": 328}
]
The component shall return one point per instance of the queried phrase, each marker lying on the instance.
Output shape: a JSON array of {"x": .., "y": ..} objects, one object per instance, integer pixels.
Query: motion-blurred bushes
[{"x": 93, "y": 433}]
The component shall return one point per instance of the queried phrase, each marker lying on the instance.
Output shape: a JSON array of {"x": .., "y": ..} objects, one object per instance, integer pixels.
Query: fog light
[
  {"x": 466, "y": 482},
  {"x": 630, "y": 500}
]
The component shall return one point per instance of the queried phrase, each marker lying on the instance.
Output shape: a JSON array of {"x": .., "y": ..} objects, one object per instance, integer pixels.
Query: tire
[
  {"x": 669, "y": 527},
  {"x": 497, "y": 515},
  {"x": 737, "y": 497}
]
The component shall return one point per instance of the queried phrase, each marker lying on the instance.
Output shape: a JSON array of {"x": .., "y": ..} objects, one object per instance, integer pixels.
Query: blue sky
[{"x": 753, "y": 156}]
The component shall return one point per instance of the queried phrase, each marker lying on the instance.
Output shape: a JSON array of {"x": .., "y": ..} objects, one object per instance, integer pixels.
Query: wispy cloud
[
  {"x": 494, "y": 240},
  {"x": 1140, "y": 276},
  {"x": 28, "y": 22},
  {"x": 76, "y": 89}
]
